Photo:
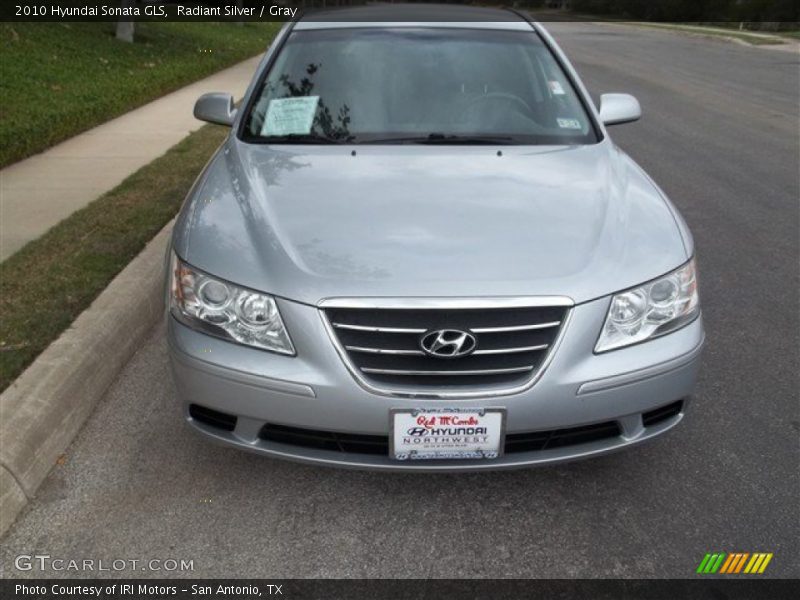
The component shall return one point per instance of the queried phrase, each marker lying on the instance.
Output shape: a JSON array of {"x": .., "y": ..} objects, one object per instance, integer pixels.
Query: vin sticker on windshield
[
  {"x": 569, "y": 123},
  {"x": 287, "y": 116}
]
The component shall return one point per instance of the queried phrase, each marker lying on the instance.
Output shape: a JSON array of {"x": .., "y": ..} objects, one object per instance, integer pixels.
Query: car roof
[{"x": 414, "y": 15}]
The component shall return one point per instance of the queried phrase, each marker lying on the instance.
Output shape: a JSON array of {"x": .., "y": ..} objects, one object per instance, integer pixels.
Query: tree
[{"x": 125, "y": 28}]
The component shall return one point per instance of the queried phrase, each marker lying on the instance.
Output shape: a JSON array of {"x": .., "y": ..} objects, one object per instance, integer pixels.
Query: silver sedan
[{"x": 419, "y": 249}]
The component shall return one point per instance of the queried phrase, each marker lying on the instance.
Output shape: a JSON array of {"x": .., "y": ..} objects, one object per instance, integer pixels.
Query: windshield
[{"x": 427, "y": 85}]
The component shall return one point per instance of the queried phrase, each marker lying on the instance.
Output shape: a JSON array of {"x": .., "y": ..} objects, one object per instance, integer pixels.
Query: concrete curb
[
  {"x": 777, "y": 42},
  {"x": 43, "y": 410}
]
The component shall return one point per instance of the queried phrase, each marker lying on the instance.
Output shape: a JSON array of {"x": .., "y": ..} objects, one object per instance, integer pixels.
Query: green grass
[
  {"x": 58, "y": 79},
  {"x": 50, "y": 281},
  {"x": 757, "y": 39}
]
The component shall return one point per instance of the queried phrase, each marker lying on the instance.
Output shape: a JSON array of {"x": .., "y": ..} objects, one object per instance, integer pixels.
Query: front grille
[
  {"x": 379, "y": 444},
  {"x": 662, "y": 413},
  {"x": 384, "y": 347},
  {"x": 326, "y": 440},
  {"x": 559, "y": 438},
  {"x": 212, "y": 417}
]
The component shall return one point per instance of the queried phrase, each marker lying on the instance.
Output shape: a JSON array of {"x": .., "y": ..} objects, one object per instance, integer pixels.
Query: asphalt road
[{"x": 720, "y": 135}]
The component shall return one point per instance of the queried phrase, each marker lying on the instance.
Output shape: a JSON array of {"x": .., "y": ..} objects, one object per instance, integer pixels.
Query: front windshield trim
[
  {"x": 517, "y": 139},
  {"x": 401, "y": 139}
]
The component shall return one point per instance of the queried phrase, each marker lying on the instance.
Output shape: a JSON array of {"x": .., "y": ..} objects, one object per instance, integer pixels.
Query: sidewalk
[{"x": 38, "y": 192}]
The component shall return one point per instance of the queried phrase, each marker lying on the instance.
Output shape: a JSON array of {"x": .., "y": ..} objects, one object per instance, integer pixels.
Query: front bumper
[{"x": 315, "y": 392}]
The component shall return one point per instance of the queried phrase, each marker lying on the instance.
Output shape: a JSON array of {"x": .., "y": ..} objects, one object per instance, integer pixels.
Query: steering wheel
[{"x": 504, "y": 96}]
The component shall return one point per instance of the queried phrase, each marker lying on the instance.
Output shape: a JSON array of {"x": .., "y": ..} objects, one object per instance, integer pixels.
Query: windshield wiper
[
  {"x": 299, "y": 138},
  {"x": 441, "y": 138}
]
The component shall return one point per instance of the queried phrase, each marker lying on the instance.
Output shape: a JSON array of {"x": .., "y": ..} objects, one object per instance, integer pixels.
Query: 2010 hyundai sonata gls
[{"x": 419, "y": 249}]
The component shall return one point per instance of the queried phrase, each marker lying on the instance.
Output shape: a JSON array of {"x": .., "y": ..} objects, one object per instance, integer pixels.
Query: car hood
[{"x": 314, "y": 222}]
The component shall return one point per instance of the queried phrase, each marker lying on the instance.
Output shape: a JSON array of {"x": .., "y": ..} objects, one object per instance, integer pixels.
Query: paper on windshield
[
  {"x": 555, "y": 88},
  {"x": 286, "y": 116}
]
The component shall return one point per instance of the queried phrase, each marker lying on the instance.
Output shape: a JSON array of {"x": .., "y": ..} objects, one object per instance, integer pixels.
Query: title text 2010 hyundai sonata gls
[{"x": 419, "y": 249}]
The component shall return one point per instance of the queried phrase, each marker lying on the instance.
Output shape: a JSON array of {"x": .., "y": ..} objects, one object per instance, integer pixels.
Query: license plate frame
[{"x": 439, "y": 448}]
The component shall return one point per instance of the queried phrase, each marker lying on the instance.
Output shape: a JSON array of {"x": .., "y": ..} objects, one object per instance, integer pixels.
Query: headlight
[
  {"x": 653, "y": 309},
  {"x": 219, "y": 308}
]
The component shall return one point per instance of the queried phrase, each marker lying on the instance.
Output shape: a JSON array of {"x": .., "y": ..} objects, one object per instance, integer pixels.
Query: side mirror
[
  {"x": 215, "y": 108},
  {"x": 619, "y": 108}
]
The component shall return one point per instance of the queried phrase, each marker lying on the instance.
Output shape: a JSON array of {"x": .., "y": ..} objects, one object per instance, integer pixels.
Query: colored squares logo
[{"x": 735, "y": 563}]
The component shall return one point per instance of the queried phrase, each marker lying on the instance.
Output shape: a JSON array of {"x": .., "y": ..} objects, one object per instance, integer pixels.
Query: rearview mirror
[
  {"x": 215, "y": 108},
  {"x": 619, "y": 108}
]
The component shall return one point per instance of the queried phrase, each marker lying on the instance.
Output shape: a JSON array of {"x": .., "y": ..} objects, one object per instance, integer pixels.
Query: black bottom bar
[{"x": 404, "y": 589}]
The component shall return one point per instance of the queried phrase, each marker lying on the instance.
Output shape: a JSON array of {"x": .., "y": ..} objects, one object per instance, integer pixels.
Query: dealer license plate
[{"x": 447, "y": 433}]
